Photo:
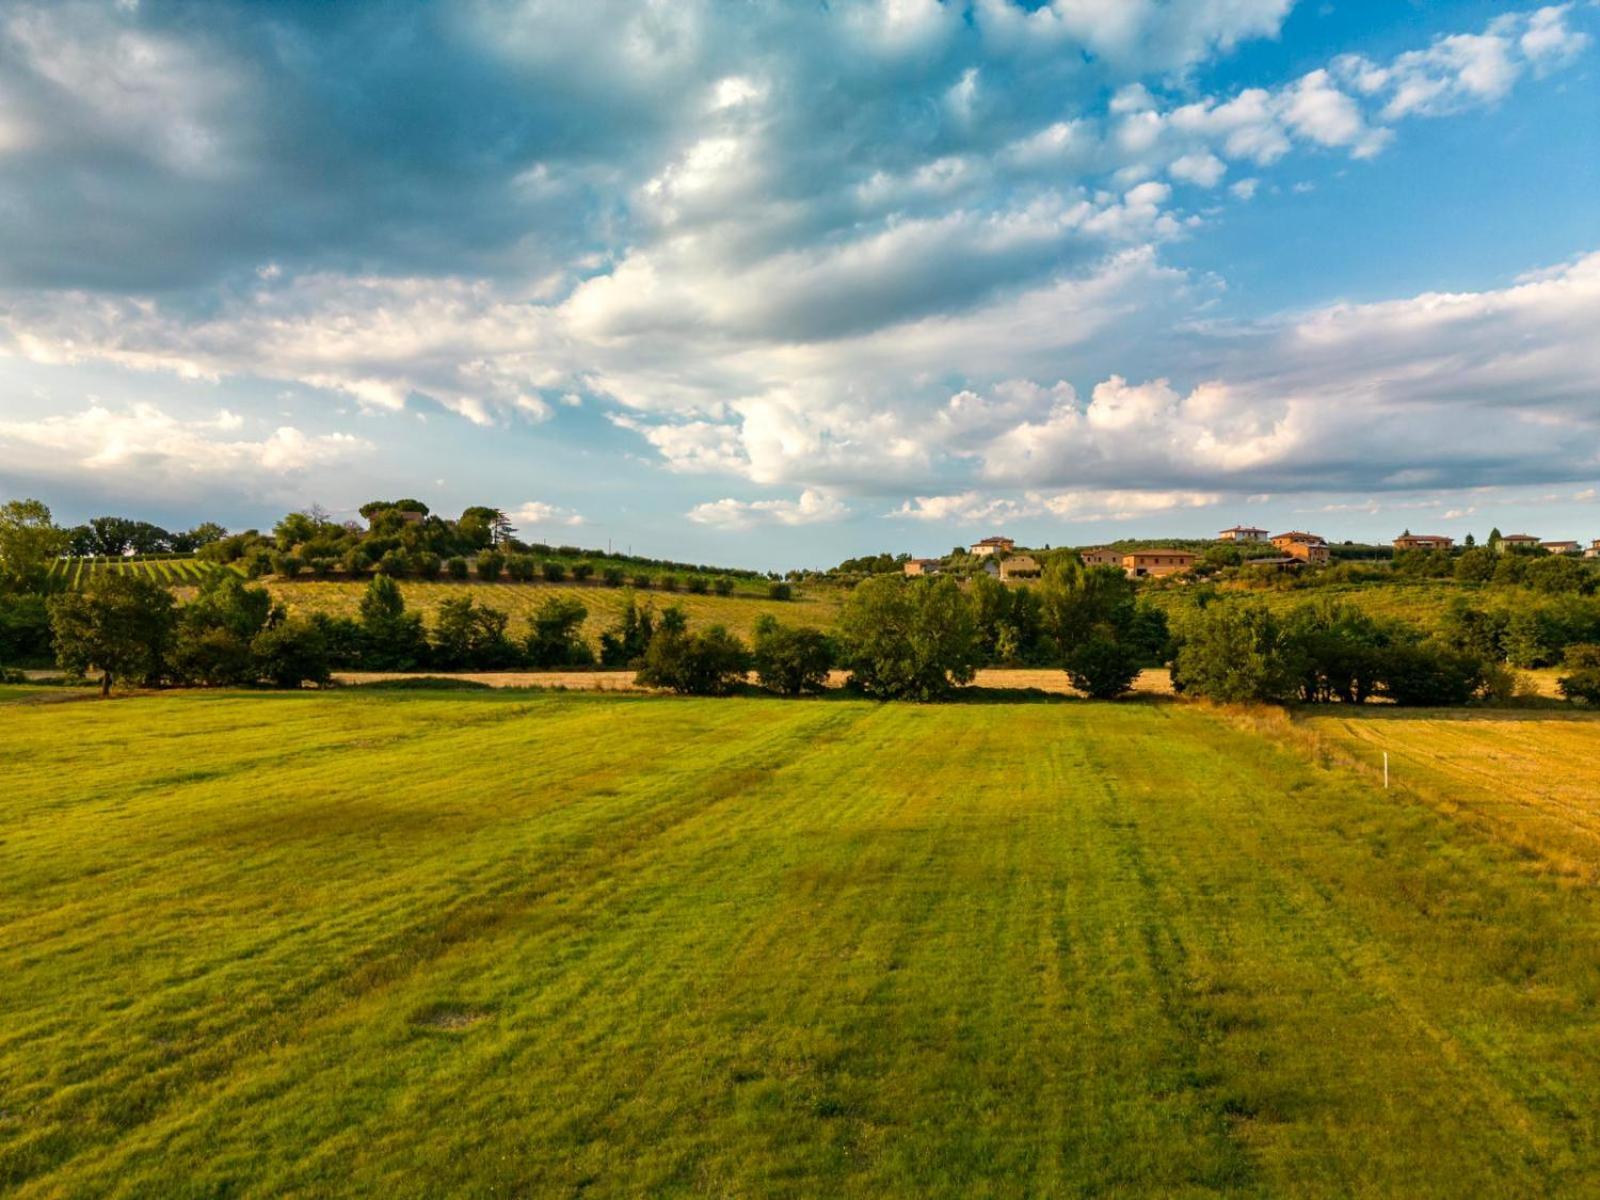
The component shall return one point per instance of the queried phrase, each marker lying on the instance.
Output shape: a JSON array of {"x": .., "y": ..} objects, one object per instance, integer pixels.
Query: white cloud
[
  {"x": 811, "y": 508},
  {"x": 1205, "y": 170},
  {"x": 148, "y": 443},
  {"x": 537, "y": 513}
]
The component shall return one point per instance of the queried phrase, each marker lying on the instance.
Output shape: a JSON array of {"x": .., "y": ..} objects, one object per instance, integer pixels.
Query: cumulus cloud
[
  {"x": 155, "y": 444},
  {"x": 810, "y": 508},
  {"x": 537, "y": 513}
]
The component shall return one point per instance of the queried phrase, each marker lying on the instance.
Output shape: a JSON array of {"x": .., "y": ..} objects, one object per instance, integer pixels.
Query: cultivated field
[
  {"x": 1422, "y": 603},
  {"x": 815, "y": 606},
  {"x": 179, "y": 571},
  {"x": 506, "y": 943}
]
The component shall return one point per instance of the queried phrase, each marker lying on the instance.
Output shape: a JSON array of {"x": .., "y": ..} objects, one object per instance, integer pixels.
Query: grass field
[
  {"x": 1531, "y": 779},
  {"x": 504, "y": 943},
  {"x": 1421, "y": 603},
  {"x": 814, "y": 606}
]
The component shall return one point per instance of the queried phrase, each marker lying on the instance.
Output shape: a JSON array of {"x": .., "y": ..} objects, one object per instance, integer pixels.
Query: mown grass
[
  {"x": 1532, "y": 779},
  {"x": 814, "y": 606},
  {"x": 507, "y": 943}
]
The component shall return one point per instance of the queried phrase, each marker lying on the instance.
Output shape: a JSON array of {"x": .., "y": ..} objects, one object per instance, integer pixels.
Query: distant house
[
  {"x": 1423, "y": 541},
  {"x": 412, "y": 518},
  {"x": 1309, "y": 552},
  {"x": 1018, "y": 567},
  {"x": 1100, "y": 556},
  {"x": 923, "y": 566},
  {"x": 1141, "y": 564},
  {"x": 1594, "y": 549},
  {"x": 993, "y": 545},
  {"x": 1561, "y": 547},
  {"x": 1287, "y": 562},
  {"x": 1297, "y": 537},
  {"x": 1518, "y": 541},
  {"x": 1242, "y": 533}
]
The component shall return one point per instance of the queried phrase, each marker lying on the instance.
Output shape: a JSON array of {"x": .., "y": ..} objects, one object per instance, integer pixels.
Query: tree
[
  {"x": 907, "y": 639},
  {"x": 790, "y": 659},
  {"x": 708, "y": 663},
  {"x": 1230, "y": 652},
  {"x": 1102, "y": 636},
  {"x": 471, "y": 635},
  {"x": 393, "y": 639},
  {"x": 624, "y": 642},
  {"x": 1432, "y": 674},
  {"x": 1102, "y": 667},
  {"x": 290, "y": 654},
  {"x": 120, "y": 626},
  {"x": 555, "y": 634},
  {"x": 215, "y": 631},
  {"x": 29, "y": 539}
]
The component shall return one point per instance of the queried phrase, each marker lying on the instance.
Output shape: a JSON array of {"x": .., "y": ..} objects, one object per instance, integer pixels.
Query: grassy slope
[
  {"x": 755, "y": 946},
  {"x": 1421, "y": 602},
  {"x": 814, "y": 606}
]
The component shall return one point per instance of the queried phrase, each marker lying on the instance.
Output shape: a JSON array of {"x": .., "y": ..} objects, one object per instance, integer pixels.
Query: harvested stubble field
[
  {"x": 817, "y": 606},
  {"x": 501, "y": 943}
]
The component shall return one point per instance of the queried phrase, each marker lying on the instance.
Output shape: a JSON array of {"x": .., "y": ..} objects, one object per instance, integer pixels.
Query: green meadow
[{"x": 508, "y": 943}]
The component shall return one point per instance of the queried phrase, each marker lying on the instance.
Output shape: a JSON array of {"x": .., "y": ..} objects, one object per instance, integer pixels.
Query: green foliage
[
  {"x": 394, "y": 564},
  {"x": 392, "y": 638},
  {"x": 644, "y": 581},
  {"x": 456, "y": 566},
  {"x": 790, "y": 659},
  {"x": 907, "y": 639},
  {"x": 582, "y": 571},
  {"x": 24, "y": 627},
  {"x": 1429, "y": 673},
  {"x": 521, "y": 567},
  {"x": 554, "y": 571},
  {"x": 471, "y": 636},
  {"x": 1558, "y": 574},
  {"x": 1582, "y": 684},
  {"x": 555, "y": 634},
  {"x": 489, "y": 565},
  {"x": 29, "y": 539},
  {"x": 215, "y": 631},
  {"x": 290, "y": 654},
  {"x": 777, "y": 589},
  {"x": 612, "y": 577},
  {"x": 624, "y": 643},
  {"x": 669, "y": 583},
  {"x": 699, "y": 585},
  {"x": 120, "y": 626},
  {"x": 1102, "y": 667},
  {"x": 722, "y": 585},
  {"x": 710, "y": 662},
  {"x": 1231, "y": 653},
  {"x": 1336, "y": 651},
  {"x": 286, "y": 566}
]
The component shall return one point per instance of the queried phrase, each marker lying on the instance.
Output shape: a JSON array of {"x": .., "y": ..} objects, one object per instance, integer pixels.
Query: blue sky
[{"x": 781, "y": 283}]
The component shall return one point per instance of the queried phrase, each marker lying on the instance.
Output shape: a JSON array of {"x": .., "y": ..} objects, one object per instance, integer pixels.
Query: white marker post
[{"x": 1386, "y": 770}]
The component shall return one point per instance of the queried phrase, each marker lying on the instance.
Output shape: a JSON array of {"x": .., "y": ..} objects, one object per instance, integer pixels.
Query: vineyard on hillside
[{"x": 174, "y": 570}]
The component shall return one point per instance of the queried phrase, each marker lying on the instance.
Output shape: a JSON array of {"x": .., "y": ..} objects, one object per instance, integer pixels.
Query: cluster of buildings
[{"x": 1296, "y": 549}]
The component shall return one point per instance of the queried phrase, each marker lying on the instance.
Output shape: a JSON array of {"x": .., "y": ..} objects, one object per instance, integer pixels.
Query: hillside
[
  {"x": 514, "y": 944},
  {"x": 813, "y": 605}
]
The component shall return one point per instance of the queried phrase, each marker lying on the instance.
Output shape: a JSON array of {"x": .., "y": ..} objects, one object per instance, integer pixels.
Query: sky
[{"x": 779, "y": 283}]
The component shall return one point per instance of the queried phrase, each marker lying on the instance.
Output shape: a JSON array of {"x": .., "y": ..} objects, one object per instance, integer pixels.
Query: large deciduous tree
[{"x": 121, "y": 626}]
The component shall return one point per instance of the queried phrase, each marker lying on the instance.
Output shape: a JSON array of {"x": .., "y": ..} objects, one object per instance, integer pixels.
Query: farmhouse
[
  {"x": 1297, "y": 537},
  {"x": 993, "y": 545},
  {"x": 1100, "y": 556},
  {"x": 1594, "y": 549},
  {"x": 1309, "y": 552},
  {"x": 1242, "y": 533},
  {"x": 1560, "y": 547},
  {"x": 1153, "y": 564},
  {"x": 1019, "y": 567},
  {"x": 1287, "y": 562},
  {"x": 1518, "y": 541},
  {"x": 923, "y": 566},
  {"x": 1423, "y": 541}
]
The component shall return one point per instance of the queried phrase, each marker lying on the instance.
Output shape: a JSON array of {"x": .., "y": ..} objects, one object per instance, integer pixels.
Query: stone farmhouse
[
  {"x": 1243, "y": 533},
  {"x": 993, "y": 545},
  {"x": 1423, "y": 541}
]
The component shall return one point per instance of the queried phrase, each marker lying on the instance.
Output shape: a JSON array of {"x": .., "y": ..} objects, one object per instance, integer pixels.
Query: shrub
[
  {"x": 612, "y": 577},
  {"x": 905, "y": 639},
  {"x": 669, "y": 583},
  {"x": 643, "y": 581},
  {"x": 699, "y": 585},
  {"x": 1102, "y": 667},
  {"x": 212, "y": 656},
  {"x": 791, "y": 660},
  {"x": 1582, "y": 656},
  {"x": 427, "y": 564},
  {"x": 322, "y": 567},
  {"x": 723, "y": 586},
  {"x": 286, "y": 566},
  {"x": 290, "y": 654},
  {"x": 1581, "y": 684},
  {"x": 708, "y": 663},
  {"x": 625, "y": 642},
  {"x": 521, "y": 567},
  {"x": 392, "y": 638},
  {"x": 355, "y": 561},
  {"x": 1230, "y": 652},
  {"x": 582, "y": 571},
  {"x": 257, "y": 563},
  {"x": 490, "y": 563},
  {"x": 554, "y": 572},
  {"x": 1430, "y": 674},
  {"x": 24, "y": 627},
  {"x": 457, "y": 567},
  {"x": 395, "y": 564},
  {"x": 343, "y": 638},
  {"x": 779, "y": 590}
]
